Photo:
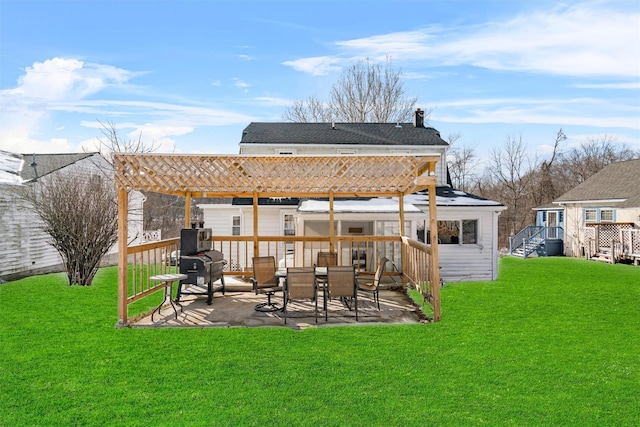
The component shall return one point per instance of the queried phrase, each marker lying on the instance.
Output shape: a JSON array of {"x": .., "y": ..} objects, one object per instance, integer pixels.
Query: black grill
[{"x": 202, "y": 266}]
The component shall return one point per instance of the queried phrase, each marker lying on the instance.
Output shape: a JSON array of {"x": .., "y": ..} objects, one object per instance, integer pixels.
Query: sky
[{"x": 189, "y": 76}]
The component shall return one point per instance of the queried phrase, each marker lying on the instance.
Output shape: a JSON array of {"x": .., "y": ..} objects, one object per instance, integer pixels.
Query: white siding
[
  {"x": 315, "y": 149},
  {"x": 24, "y": 247},
  {"x": 219, "y": 218},
  {"x": 470, "y": 262}
]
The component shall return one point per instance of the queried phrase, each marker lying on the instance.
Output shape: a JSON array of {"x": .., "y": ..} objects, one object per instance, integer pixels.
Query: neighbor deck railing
[{"x": 412, "y": 261}]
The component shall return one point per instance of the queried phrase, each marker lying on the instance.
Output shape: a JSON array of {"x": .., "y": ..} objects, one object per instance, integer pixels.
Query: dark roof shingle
[
  {"x": 341, "y": 134},
  {"x": 619, "y": 180},
  {"x": 39, "y": 165}
]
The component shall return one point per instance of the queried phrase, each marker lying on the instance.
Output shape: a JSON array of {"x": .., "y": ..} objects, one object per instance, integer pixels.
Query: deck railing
[{"x": 412, "y": 261}]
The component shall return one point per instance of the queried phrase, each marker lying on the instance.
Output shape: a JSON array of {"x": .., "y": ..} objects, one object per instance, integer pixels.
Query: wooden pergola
[{"x": 253, "y": 176}]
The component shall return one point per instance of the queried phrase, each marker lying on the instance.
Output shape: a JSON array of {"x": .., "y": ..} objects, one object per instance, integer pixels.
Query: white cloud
[
  {"x": 241, "y": 83},
  {"x": 583, "y": 40},
  {"x": 56, "y": 86},
  {"x": 65, "y": 79},
  {"x": 273, "y": 101},
  {"x": 627, "y": 85},
  {"x": 571, "y": 111},
  {"x": 316, "y": 66}
]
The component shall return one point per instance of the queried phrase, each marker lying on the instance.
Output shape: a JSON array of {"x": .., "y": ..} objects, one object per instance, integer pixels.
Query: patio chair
[
  {"x": 341, "y": 283},
  {"x": 325, "y": 259},
  {"x": 301, "y": 284},
  {"x": 265, "y": 282},
  {"x": 373, "y": 287}
]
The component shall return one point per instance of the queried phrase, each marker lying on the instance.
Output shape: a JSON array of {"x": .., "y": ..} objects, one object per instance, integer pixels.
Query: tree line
[
  {"x": 80, "y": 216},
  {"x": 511, "y": 176}
]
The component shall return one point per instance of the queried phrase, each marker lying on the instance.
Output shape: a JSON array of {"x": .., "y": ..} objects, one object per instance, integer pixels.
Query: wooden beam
[
  {"x": 123, "y": 207},
  {"x": 424, "y": 180}
]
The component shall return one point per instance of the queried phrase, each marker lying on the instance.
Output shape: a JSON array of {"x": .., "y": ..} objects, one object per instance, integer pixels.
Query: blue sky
[{"x": 190, "y": 75}]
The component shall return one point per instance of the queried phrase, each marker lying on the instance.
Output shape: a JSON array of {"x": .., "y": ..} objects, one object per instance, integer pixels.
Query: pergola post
[
  {"x": 332, "y": 233},
  {"x": 123, "y": 231},
  {"x": 256, "y": 244},
  {"x": 401, "y": 211},
  {"x": 187, "y": 209},
  {"x": 435, "y": 264}
]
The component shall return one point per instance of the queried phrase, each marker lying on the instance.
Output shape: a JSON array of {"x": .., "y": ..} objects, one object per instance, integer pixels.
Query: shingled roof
[
  {"x": 617, "y": 181},
  {"x": 341, "y": 134},
  {"x": 38, "y": 165}
]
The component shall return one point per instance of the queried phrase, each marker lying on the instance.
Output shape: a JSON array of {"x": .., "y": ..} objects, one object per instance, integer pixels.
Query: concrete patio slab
[{"x": 236, "y": 309}]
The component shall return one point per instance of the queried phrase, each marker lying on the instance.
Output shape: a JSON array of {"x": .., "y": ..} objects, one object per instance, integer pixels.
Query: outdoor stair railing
[
  {"x": 525, "y": 242},
  {"x": 529, "y": 239}
]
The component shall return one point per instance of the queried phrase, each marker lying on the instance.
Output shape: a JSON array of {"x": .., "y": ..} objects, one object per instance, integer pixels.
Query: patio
[
  {"x": 236, "y": 309},
  {"x": 231, "y": 176}
]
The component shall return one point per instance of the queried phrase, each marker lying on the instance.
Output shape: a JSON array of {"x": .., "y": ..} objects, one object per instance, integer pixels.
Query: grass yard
[{"x": 554, "y": 341}]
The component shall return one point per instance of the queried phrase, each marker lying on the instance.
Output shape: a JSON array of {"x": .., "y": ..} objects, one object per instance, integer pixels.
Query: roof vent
[
  {"x": 333, "y": 125},
  {"x": 398, "y": 125}
]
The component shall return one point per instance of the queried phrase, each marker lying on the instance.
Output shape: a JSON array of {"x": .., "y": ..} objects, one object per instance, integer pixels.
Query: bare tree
[
  {"x": 508, "y": 180},
  {"x": 79, "y": 213},
  {"x": 365, "y": 92},
  {"x": 312, "y": 110},
  {"x": 591, "y": 156},
  {"x": 548, "y": 187},
  {"x": 112, "y": 142},
  {"x": 461, "y": 161}
]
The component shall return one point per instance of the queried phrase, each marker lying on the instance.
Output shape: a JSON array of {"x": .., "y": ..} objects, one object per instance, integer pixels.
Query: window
[
  {"x": 235, "y": 226},
  {"x": 469, "y": 231},
  {"x": 593, "y": 215},
  {"x": 453, "y": 232},
  {"x": 606, "y": 215},
  {"x": 289, "y": 225}
]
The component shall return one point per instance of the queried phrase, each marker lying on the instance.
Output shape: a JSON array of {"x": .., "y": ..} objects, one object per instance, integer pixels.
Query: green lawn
[{"x": 554, "y": 341}]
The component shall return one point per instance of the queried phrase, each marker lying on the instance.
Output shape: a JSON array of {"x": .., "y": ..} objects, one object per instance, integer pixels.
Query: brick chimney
[{"x": 418, "y": 118}]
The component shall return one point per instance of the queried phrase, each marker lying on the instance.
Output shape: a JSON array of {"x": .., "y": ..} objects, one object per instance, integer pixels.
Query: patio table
[{"x": 168, "y": 280}]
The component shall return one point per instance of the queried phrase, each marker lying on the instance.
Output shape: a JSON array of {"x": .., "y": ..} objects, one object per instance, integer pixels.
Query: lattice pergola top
[{"x": 273, "y": 176}]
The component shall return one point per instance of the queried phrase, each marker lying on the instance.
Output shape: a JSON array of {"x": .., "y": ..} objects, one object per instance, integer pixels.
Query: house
[
  {"x": 24, "y": 247},
  {"x": 601, "y": 216},
  {"x": 468, "y": 223}
]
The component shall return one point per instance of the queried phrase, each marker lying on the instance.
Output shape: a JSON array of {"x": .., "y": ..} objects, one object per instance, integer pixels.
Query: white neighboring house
[
  {"x": 23, "y": 244},
  {"x": 601, "y": 207},
  {"x": 468, "y": 224}
]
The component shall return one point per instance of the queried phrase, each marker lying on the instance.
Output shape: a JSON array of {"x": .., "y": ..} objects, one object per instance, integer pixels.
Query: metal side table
[{"x": 168, "y": 280}]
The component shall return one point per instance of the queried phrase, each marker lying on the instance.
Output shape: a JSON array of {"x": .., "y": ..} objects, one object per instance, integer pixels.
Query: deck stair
[
  {"x": 604, "y": 255},
  {"x": 528, "y": 241}
]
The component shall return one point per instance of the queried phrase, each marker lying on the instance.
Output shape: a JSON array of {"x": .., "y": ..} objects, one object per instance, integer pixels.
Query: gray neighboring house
[
  {"x": 467, "y": 224},
  {"x": 23, "y": 244}
]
